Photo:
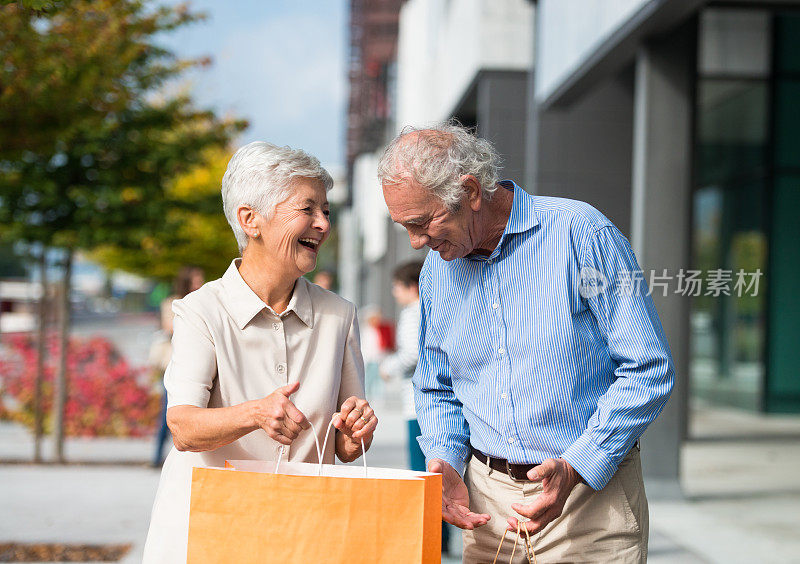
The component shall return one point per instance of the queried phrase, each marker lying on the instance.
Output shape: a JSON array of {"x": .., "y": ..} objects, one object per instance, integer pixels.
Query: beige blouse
[{"x": 230, "y": 347}]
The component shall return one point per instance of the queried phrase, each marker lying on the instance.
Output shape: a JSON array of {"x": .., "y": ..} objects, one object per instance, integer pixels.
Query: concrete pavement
[{"x": 742, "y": 503}]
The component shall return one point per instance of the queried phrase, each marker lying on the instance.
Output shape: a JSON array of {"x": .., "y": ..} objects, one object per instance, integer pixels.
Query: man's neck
[{"x": 495, "y": 214}]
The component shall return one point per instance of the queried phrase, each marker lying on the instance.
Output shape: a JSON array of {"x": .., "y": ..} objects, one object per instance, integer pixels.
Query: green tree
[
  {"x": 89, "y": 142},
  {"x": 194, "y": 230}
]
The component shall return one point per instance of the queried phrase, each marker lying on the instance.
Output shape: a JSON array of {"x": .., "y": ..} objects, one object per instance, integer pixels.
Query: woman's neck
[{"x": 274, "y": 288}]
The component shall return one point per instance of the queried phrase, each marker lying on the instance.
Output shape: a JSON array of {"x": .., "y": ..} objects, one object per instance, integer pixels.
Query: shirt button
[
  {"x": 281, "y": 368},
  {"x": 495, "y": 305},
  {"x": 501, "y": 351},
  {"x": 504, "y": 395},
  {"x": 276, "y": 326},
  {"x": 490, "y": 261},
  {"x": 510, "y": 440}
]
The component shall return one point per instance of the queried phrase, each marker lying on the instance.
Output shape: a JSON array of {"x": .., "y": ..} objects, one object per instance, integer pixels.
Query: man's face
[{"x": 428, "y": 221}]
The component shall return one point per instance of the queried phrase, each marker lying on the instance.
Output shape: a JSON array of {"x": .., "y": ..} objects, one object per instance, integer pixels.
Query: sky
[{"x": 280, "y": 64}]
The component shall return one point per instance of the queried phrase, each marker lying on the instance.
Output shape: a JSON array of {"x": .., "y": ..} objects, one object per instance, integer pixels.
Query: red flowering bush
[{"x": 106, "y": 395}]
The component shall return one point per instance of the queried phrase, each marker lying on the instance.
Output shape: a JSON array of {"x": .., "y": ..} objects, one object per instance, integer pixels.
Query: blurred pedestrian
[
  {"x": 189, "y": 279},
  {"x": 159, "y": 357},
  {"x": 401, "y": 364},
  {"x": 377, "y": 342},
  {"x": 324, "y": 279},
  {"x": 245, "y": 344}
]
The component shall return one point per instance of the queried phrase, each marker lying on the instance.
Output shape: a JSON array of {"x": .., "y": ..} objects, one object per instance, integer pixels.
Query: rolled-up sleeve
[
  {"x": 352, "y": 364},
  {"x": 191, "y": 372},
  {"x": 627, "y": 320},
  {"x": 445, "y": 432}
]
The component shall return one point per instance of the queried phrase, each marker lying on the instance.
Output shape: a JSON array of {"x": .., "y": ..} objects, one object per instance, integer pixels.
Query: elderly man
[{"x": 538, "y": 369}]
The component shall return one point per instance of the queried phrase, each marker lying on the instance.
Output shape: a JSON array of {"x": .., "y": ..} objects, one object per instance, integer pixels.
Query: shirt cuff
[
  {"x": 458, "y": 463},
  {"x": 589, "y": 460}
]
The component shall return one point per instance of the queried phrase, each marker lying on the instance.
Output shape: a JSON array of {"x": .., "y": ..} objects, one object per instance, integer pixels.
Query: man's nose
[{"x": 418, "y": 240}]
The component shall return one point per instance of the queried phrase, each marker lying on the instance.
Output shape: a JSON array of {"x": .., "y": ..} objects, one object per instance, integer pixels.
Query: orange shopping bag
[{"x": 295, "y": 512}]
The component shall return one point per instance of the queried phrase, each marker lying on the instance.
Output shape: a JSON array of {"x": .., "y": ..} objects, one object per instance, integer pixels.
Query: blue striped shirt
[{"x": 516, "y": 361}]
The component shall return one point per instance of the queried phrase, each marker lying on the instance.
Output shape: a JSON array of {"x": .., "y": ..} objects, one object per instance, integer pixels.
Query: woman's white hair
[
  {"x": 437, "y": 157},
  {"x": 260, "y": 175}
]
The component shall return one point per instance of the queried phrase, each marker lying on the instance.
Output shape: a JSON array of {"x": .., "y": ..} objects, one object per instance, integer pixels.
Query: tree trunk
[
  {"x": 61, "y": 378},
  {"x": 41, "y": 348}
]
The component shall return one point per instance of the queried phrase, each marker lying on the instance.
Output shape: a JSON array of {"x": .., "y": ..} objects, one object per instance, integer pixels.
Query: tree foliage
[
  {"x": 88, "y": 140},
  {"x": 194, "y": 230}
]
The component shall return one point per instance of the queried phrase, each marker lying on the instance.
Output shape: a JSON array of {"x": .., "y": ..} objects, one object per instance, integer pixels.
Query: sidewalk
[{"x": 742, "y": 504}]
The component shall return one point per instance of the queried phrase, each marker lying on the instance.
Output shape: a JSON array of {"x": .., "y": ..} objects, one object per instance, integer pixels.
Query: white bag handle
[{"x": 320, "y": 452}]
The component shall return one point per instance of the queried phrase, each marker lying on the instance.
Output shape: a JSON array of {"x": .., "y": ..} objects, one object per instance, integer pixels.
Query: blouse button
[{"x": 281, "y": 368}]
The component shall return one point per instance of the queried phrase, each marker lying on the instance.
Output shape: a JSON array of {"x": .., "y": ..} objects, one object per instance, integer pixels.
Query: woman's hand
[
  {"x": 356, "y": 421},
  {"x": 278, "y": 416}
]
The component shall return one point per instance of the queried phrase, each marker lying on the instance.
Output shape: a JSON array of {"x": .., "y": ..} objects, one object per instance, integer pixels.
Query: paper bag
[{"x": 248, "y": 513}]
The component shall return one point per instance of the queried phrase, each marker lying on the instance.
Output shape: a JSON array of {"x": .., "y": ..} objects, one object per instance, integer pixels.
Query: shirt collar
[
  {"x": 523, "y": 215},
  {"x": 243, "y": 303},
  {"x": 521, "y": 219}
]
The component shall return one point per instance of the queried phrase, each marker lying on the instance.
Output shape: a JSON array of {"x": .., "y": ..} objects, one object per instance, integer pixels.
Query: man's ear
[
  {"x": 472, "y": 191},
  {"x": 247, "y": 221}
]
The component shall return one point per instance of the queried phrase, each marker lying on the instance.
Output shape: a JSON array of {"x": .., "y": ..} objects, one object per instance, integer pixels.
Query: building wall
[
  {"x": 443, "y": 44},
  {"x": 569, "y": 31},
  {"x": 584, "y": 151}
]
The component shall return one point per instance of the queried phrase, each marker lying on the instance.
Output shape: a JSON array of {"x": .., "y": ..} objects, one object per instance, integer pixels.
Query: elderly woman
[{"x": 261, "y": 352}]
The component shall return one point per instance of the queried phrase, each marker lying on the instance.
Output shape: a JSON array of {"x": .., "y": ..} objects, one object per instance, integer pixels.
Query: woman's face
[{"x": 298, "y": 227}]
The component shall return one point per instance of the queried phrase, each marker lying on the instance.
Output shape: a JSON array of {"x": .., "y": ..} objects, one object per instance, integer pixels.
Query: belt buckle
[{"x": 512, "y": 476}]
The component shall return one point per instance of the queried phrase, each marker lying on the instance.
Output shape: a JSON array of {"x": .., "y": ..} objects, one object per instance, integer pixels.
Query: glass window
[{"x": 734, "y": 43}]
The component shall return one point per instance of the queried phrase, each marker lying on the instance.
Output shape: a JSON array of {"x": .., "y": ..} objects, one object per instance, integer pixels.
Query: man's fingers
[
  {"x": 288, "y": 389},
  {"x": 462, "y": 517},
  {"x": 534, "y": 526},
  {"x": 435, "y": 467},
  {"x": 535, "y": 509},
  {"x": 542, "y": 471}
]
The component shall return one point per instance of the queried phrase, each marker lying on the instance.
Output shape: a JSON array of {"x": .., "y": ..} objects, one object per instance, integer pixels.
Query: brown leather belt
[{"x": 517, "y": 472}]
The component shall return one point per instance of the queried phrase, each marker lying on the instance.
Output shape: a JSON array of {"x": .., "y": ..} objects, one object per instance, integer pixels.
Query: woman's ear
[
  {"x": 248, "y": 221},
  {"x": 472, "y": 191}
]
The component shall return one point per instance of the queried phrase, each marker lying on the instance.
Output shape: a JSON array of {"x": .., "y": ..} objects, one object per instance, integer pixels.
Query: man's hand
[
  {"x": 455, "y": 498},
  {"x": 558, "y": 479}
]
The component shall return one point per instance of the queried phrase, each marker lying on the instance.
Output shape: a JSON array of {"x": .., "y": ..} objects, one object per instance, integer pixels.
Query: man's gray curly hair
[{"x": 437, "y": 157}]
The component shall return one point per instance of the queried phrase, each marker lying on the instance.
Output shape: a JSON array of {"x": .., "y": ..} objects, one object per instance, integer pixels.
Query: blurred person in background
[
  {"x": 158, "y": 360},
  {"x": 537, "y": 372},
  {"x": 377, "y": 342},
  {"x": 261, "y": 354},
  {"x": 324, "y": 279},
  {"x": 401, "y": 364},
  {"x": 189, "y": 279}
]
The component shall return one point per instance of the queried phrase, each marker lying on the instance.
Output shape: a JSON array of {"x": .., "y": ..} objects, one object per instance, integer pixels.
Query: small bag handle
[
  {"x": 320, "y": 452},
  {"x": 526, "y": 541}
]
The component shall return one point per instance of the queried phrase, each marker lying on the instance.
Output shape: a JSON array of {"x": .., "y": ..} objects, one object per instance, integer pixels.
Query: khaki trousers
[{"x": 610, "y": 525}]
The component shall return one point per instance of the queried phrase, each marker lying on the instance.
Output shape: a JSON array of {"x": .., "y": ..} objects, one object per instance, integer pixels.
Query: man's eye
[{"x": 327, "y": 213}]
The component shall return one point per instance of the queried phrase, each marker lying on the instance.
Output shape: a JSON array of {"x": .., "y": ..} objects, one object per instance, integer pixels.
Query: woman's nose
[{"x": 322, "y": 222}]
